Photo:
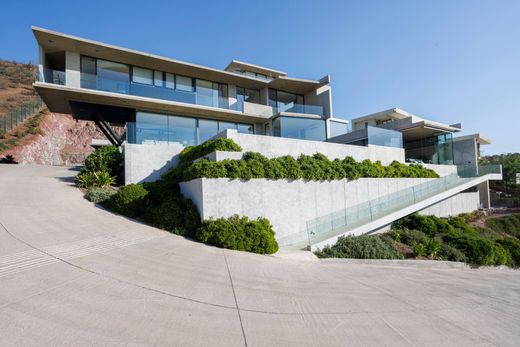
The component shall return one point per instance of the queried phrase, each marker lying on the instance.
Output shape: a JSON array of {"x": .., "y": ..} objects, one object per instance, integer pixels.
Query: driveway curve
[{"x": 74, "y": 274}]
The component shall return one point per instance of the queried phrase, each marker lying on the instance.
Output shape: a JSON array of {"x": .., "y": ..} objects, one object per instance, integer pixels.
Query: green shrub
[
  {"x": 98, "y": 195},
  {"x": 478, "y": 250},
  {"x": 360, "y": 247},
  {"x": 430, "y": 225},
  {"x": 506, "y": 224},
  {"x": 240, "y": 234},
  {"x": 512, "y": 245},
  {"x": 447, "y": 252},
  {"x": 105, "y": 159},
  {"x": 129, "y": 201},
  {"x": 407, "y": 236},
  {"x": 175, "y": 214},
  {"x": 191, "y": 153},
  {"x": 501, "y": 256}
]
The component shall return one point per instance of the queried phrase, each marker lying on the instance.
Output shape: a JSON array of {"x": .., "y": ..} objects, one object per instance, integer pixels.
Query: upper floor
[{"x": 73, "y": 68}]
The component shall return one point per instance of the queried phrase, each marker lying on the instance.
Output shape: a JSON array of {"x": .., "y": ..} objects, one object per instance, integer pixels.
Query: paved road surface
[{"x": 72, "y": 274}]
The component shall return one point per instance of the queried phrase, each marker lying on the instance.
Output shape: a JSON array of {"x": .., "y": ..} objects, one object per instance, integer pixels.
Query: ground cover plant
[{"x": 430, "y": 237}]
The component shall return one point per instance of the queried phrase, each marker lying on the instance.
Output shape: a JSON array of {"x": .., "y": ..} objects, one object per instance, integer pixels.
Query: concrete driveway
[{"x": 73, "y": 274}]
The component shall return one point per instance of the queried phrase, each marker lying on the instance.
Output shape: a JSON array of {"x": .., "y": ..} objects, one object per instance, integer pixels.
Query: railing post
[{"x": 370, "y": 208}]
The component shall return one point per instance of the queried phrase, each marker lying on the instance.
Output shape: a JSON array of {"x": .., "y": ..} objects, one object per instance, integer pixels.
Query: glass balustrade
[{"x": 341, "y": 221}]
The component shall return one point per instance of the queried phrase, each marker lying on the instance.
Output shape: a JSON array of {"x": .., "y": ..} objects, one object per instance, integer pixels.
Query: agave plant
[{"x": 103, "y": 179}]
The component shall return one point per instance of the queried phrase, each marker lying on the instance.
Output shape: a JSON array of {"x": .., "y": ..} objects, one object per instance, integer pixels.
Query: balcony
[
  {"x": 51, "y": 76},
  {"x": 301, "y": 109}
]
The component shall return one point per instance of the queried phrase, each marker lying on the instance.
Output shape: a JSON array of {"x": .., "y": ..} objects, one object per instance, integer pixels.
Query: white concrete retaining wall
[
  {"x": 457, "y": 204},
  {"x": 146, "y": 163},
  {"x": 287, "y": 204},
  {"x": 273, "y": 147},
  {"x": 442, "y": 170}
]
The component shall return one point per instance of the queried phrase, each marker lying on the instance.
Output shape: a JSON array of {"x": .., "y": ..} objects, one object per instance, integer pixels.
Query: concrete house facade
[{"x": 164, "y": 105}]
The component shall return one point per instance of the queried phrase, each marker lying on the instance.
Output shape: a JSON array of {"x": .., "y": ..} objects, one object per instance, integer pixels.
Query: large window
[
  {"x": 184, "y": 83},
  {"x": 104, "y": 75},
  {"x": 283, "y": 101},
  {"x": 188, "y": 131},
  {"x": 140, "y": 75},
  {"x": 246, "y": 95},
  {"x": 299, "y": 128},
  {"x": 211, "y": 93}
]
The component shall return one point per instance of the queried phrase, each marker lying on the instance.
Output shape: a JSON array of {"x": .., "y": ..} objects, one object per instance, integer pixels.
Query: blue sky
[{"x": 448, "y": 60}]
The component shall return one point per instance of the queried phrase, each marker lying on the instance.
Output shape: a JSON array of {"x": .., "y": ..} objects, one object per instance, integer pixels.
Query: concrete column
[
  {"x": 72, "y": 70},
  {"x": 483, "y": 191}
]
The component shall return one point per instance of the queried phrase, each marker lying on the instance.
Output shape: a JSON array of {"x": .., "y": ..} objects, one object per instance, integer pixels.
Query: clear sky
[{"x": 447, "y": 60}]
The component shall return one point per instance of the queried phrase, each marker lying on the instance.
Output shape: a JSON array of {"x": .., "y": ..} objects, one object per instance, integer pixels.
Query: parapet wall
[{"x": 272, "y": 147}]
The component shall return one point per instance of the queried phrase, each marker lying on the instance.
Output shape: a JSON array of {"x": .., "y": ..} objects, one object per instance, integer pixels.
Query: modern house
[{"x": 165, "y": 105}]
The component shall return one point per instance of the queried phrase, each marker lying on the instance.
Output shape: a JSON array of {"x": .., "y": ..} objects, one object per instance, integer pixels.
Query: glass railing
[
  {"x": 123, "y": 86},
  {"x": 301, "y": 108},
  {"x": 51, "y": 76},
  {"x": 341, "y": 221},
  {"x": 384, "y": 137}
]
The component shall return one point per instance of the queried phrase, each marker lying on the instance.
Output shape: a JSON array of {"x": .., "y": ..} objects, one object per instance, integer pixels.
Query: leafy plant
[
  {"x": 419, "y": 250},
  {"x": 8, "y": 159},
  {"x": 432, "y": 247},
  {"x": 105, "y": 159},
  {"x": 191, "y": 153},
  {"x": 88, "y": 179}
]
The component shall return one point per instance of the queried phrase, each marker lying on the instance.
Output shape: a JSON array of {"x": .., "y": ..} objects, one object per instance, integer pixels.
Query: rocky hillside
[{"x": 45, "y": 138}]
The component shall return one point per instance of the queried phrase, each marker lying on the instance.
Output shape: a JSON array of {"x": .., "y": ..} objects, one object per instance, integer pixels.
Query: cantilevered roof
[
  {"x": 240, "y": 65},
  {"x": 52, "y": 41},
  {"x": 477, "y": 137},
  {"x": 413, "y": 121}
]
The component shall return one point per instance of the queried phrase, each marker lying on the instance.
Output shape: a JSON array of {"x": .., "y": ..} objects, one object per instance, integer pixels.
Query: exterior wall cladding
[{"x": 167, "y": 105}]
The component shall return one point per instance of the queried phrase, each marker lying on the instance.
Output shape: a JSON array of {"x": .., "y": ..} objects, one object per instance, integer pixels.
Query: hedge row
[
  {"x": 313, "y": 168},
  {"x": 360, "y": 247}
]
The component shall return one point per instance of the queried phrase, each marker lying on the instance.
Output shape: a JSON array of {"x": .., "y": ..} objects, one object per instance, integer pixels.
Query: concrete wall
[
  {"x": 146, "y": 163},
  {"x": 321, "y": 97},
  {"x": 272, "y": 147},
  {"x": 442, "y": 170},
  {"x": 72, "y": 69},
  {"x": 457, "y": 204},
  {"x": 287, "y": 204}
]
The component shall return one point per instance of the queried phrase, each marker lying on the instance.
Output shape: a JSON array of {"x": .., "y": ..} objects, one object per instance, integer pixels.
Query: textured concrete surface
[{"x": 72, "y": 274}]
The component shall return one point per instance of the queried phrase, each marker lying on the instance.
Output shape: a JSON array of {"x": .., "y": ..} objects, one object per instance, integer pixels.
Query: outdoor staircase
[{"x": 375, "y": 214}]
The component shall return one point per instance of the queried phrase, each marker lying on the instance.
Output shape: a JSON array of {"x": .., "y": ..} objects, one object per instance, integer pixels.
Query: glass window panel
[
  {"x": 182, "y": 130},
  {"x": 205, "y": 93},
  {"x": 223, "y": 100},
  {"x": 250, "y": 74},
  {"x": 226, "y": 125},
  {"x": 300, "y": 128},
  {"x": 207, "y": 129},
  {"x": 384, "y": 137},
  {"x": 170, "y": 80},
  {"x": 285, "y": 101},
  {"x": 299, "y": 99},
  {"x": 272, "y": 98},
  {"x": 88, "y": 72},
  {"x": 338, "y": 128},
  {"x": 183, "y": 83},
  {"x": 151, "y": 127},
  {"x": 112, "y": 77},
  {"x": 252, "y": 95},
  {"x": 158, "y": 78},
  {"x": 245, "y": 128},
  {"x": 140, "y": 75}
]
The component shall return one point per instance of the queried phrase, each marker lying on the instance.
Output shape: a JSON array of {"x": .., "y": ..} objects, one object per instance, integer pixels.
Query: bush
[
  {"x": 240, "y": 234},
  {"x": 8, "y": 159},
  {"x": 129, "y": 201},
  {"x": 432, "y": 248},
  {"x": 105, "y": 159},
  {"x": 408, "y": 237},
  {"x": 419, "y": 250},
  {"x": 478, "y": 250},
  {"x": 175, "y": 214},
  {"x": 506, "y": 224},
  {"x": 191, "y": 153},
  {"x": 450, "y": 253},
  {"x": 512, "y": 246},
  {"x": 430, "y": 225},
  {"x": 98, "y": 195},
  {"x": 360, "y": 247}
]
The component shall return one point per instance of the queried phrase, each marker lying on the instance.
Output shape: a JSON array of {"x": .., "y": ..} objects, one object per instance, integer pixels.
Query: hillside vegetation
[{"x": 15, "y": 85}]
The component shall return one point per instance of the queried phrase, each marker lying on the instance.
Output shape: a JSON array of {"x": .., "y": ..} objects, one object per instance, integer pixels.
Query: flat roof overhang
[
  {"x": 58, "y": 98},
  {"x": 422, "y": 130},
  {"x": 52, "y": 41},
  {"x": 241, "y": 65}
]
